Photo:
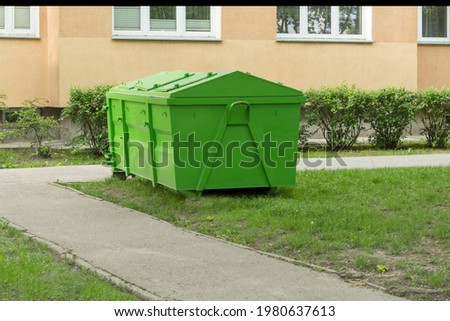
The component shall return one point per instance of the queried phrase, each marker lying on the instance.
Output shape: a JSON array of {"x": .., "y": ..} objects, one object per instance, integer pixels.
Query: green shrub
[
  {"x": 29, "y": 121},
  {"x": 339, "y": 113},
  {"x": 44, "y": 151},
  {"x": 85, "y": 109},
  {"x": 389, "y": 113},
  {"x": 2, "y": 107},
  {"x": 304, "y": 134},
  {"x": 434, "y": 113}
]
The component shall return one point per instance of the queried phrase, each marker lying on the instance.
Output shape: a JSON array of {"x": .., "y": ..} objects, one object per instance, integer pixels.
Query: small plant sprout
[{"x": 381, "y": 268}]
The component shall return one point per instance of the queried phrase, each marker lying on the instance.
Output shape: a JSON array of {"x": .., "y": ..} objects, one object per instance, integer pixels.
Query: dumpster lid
[{"x": 181, "y": 83}]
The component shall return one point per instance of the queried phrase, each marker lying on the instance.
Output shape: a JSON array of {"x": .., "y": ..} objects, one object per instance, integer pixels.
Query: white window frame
[
  {"x": 432, "y": 40},
  {"x": 180, "y": 34},
  {"x": 11, "y": 32},
  {"x": 304, "y": 36}
]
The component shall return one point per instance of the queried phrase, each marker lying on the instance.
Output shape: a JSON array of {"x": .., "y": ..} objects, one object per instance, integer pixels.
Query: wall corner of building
[{"x": 53, "y": 26}]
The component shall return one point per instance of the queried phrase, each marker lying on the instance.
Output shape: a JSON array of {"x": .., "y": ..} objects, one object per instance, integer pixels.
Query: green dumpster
[{"x": 194, "y": 131}]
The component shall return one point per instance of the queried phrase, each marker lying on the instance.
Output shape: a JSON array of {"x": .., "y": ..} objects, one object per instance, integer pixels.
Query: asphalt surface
[{"x": 166, "y": 262}]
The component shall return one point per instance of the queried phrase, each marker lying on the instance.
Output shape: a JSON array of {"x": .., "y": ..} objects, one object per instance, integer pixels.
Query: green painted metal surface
[{"x": 205, "y": 130}]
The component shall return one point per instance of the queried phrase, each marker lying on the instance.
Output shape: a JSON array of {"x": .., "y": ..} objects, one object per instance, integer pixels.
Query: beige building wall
[
  {"x": 53, "y": 76},
  {"x": 89, "y": 56},
  {"x": 76, "y": 49},
  {"x": 23, "y": 66},
  {"x": 433, "y": 66}
]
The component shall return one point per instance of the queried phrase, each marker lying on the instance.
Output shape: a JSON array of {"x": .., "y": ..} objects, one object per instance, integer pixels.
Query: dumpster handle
[
  {"x": 230, "y": 107},
  {"x": 219, "y": 136}
]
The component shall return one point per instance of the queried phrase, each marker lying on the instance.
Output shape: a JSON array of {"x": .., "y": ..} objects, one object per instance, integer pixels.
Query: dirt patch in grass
[{"x": 419, "y": 274}]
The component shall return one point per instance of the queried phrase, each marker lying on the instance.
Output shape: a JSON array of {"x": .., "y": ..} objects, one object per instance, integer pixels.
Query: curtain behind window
[{"x": 434, "y": 21}]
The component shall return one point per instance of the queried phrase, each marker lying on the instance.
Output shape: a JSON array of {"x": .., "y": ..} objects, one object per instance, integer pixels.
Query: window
[
  {"x": 8, "y": 115},
  {"x": 19, "y": 22},
  {"x": 434, "y": 25},
  {"x": 166, "y": 22},
  {"x": 324, "y": 23}
]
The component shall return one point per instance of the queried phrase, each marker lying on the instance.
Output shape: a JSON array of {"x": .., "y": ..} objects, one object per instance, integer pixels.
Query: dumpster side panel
[
  {"x": 163, "y": 150},
  {"x": 139, "y": 144},
  {"x": 277, "y": 125},
  {"x": 193, "y": 126},
  {"x": 236, "y": 155},
  {"x": 265, "y": 137},
  {"x": 241, "y": 166}
]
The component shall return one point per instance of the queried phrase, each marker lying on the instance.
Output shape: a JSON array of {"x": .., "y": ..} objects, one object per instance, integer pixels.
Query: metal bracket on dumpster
[
  {"x": 126, "y": 138},
  {"x": 226, "y": 121},
  {"x": 152, "y": 136}
]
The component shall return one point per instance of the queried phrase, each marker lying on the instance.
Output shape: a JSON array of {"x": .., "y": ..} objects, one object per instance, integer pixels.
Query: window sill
[
  {"x": 176, "y": 38},
  {"x": 19, "y": 36},
  {"x": 433, "y": 42},
  {"x": 335, "y": 40}
]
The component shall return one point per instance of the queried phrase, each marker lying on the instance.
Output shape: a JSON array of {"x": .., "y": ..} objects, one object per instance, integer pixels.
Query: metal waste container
[{"x": 205, "y": 130}]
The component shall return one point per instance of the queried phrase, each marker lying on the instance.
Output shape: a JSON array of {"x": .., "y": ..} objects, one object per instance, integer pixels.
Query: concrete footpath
[
  {"x": 161, "y": 261},
  {"x": 369, "y": 162}
]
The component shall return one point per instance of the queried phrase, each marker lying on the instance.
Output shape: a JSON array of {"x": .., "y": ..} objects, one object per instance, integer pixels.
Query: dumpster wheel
[{"x": 120, "y": 175}]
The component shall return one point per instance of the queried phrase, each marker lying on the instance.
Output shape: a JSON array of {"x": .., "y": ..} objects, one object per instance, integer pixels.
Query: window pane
[
  {"x": 198, "y": 18},
  {"x": 127, "y": 18},
  {"x": 319, "y": 19},
  {"x": 22, "y": 17},
  {"x": 288, "y": 19},
  {"x": 2, "y": 17},
  {"x": 163, "y": 18},
  {"x": 350, "y": 20},
  {"x": 434, "y": 21}
]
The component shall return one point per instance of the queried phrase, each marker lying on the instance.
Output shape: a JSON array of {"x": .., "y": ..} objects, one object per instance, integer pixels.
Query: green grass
[
  {"x": 30, "y": 271},
  {"x": 365, "y": 262},
  {"x": 25, "y": 157},
  {"x": 353, "y": 221},
  {"x": 406, "y": 148}
]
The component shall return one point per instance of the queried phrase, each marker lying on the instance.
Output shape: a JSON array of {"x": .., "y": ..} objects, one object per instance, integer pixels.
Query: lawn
[
  {"x": 389, "y": 227},
  {"x": 25, "y": 157},
  {"x": 30, "y": 271}
]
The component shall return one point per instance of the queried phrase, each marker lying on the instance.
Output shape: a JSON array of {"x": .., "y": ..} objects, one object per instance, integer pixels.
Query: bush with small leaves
[
  {"x": 85, "y": 109},
  {"x": 339, "y": 113},
  {"x": 2, "y": 107},
  {"x": 30, "y": 122},
  {"x": 390, "y": 111},
  {"x": 434, "y": 113}
]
